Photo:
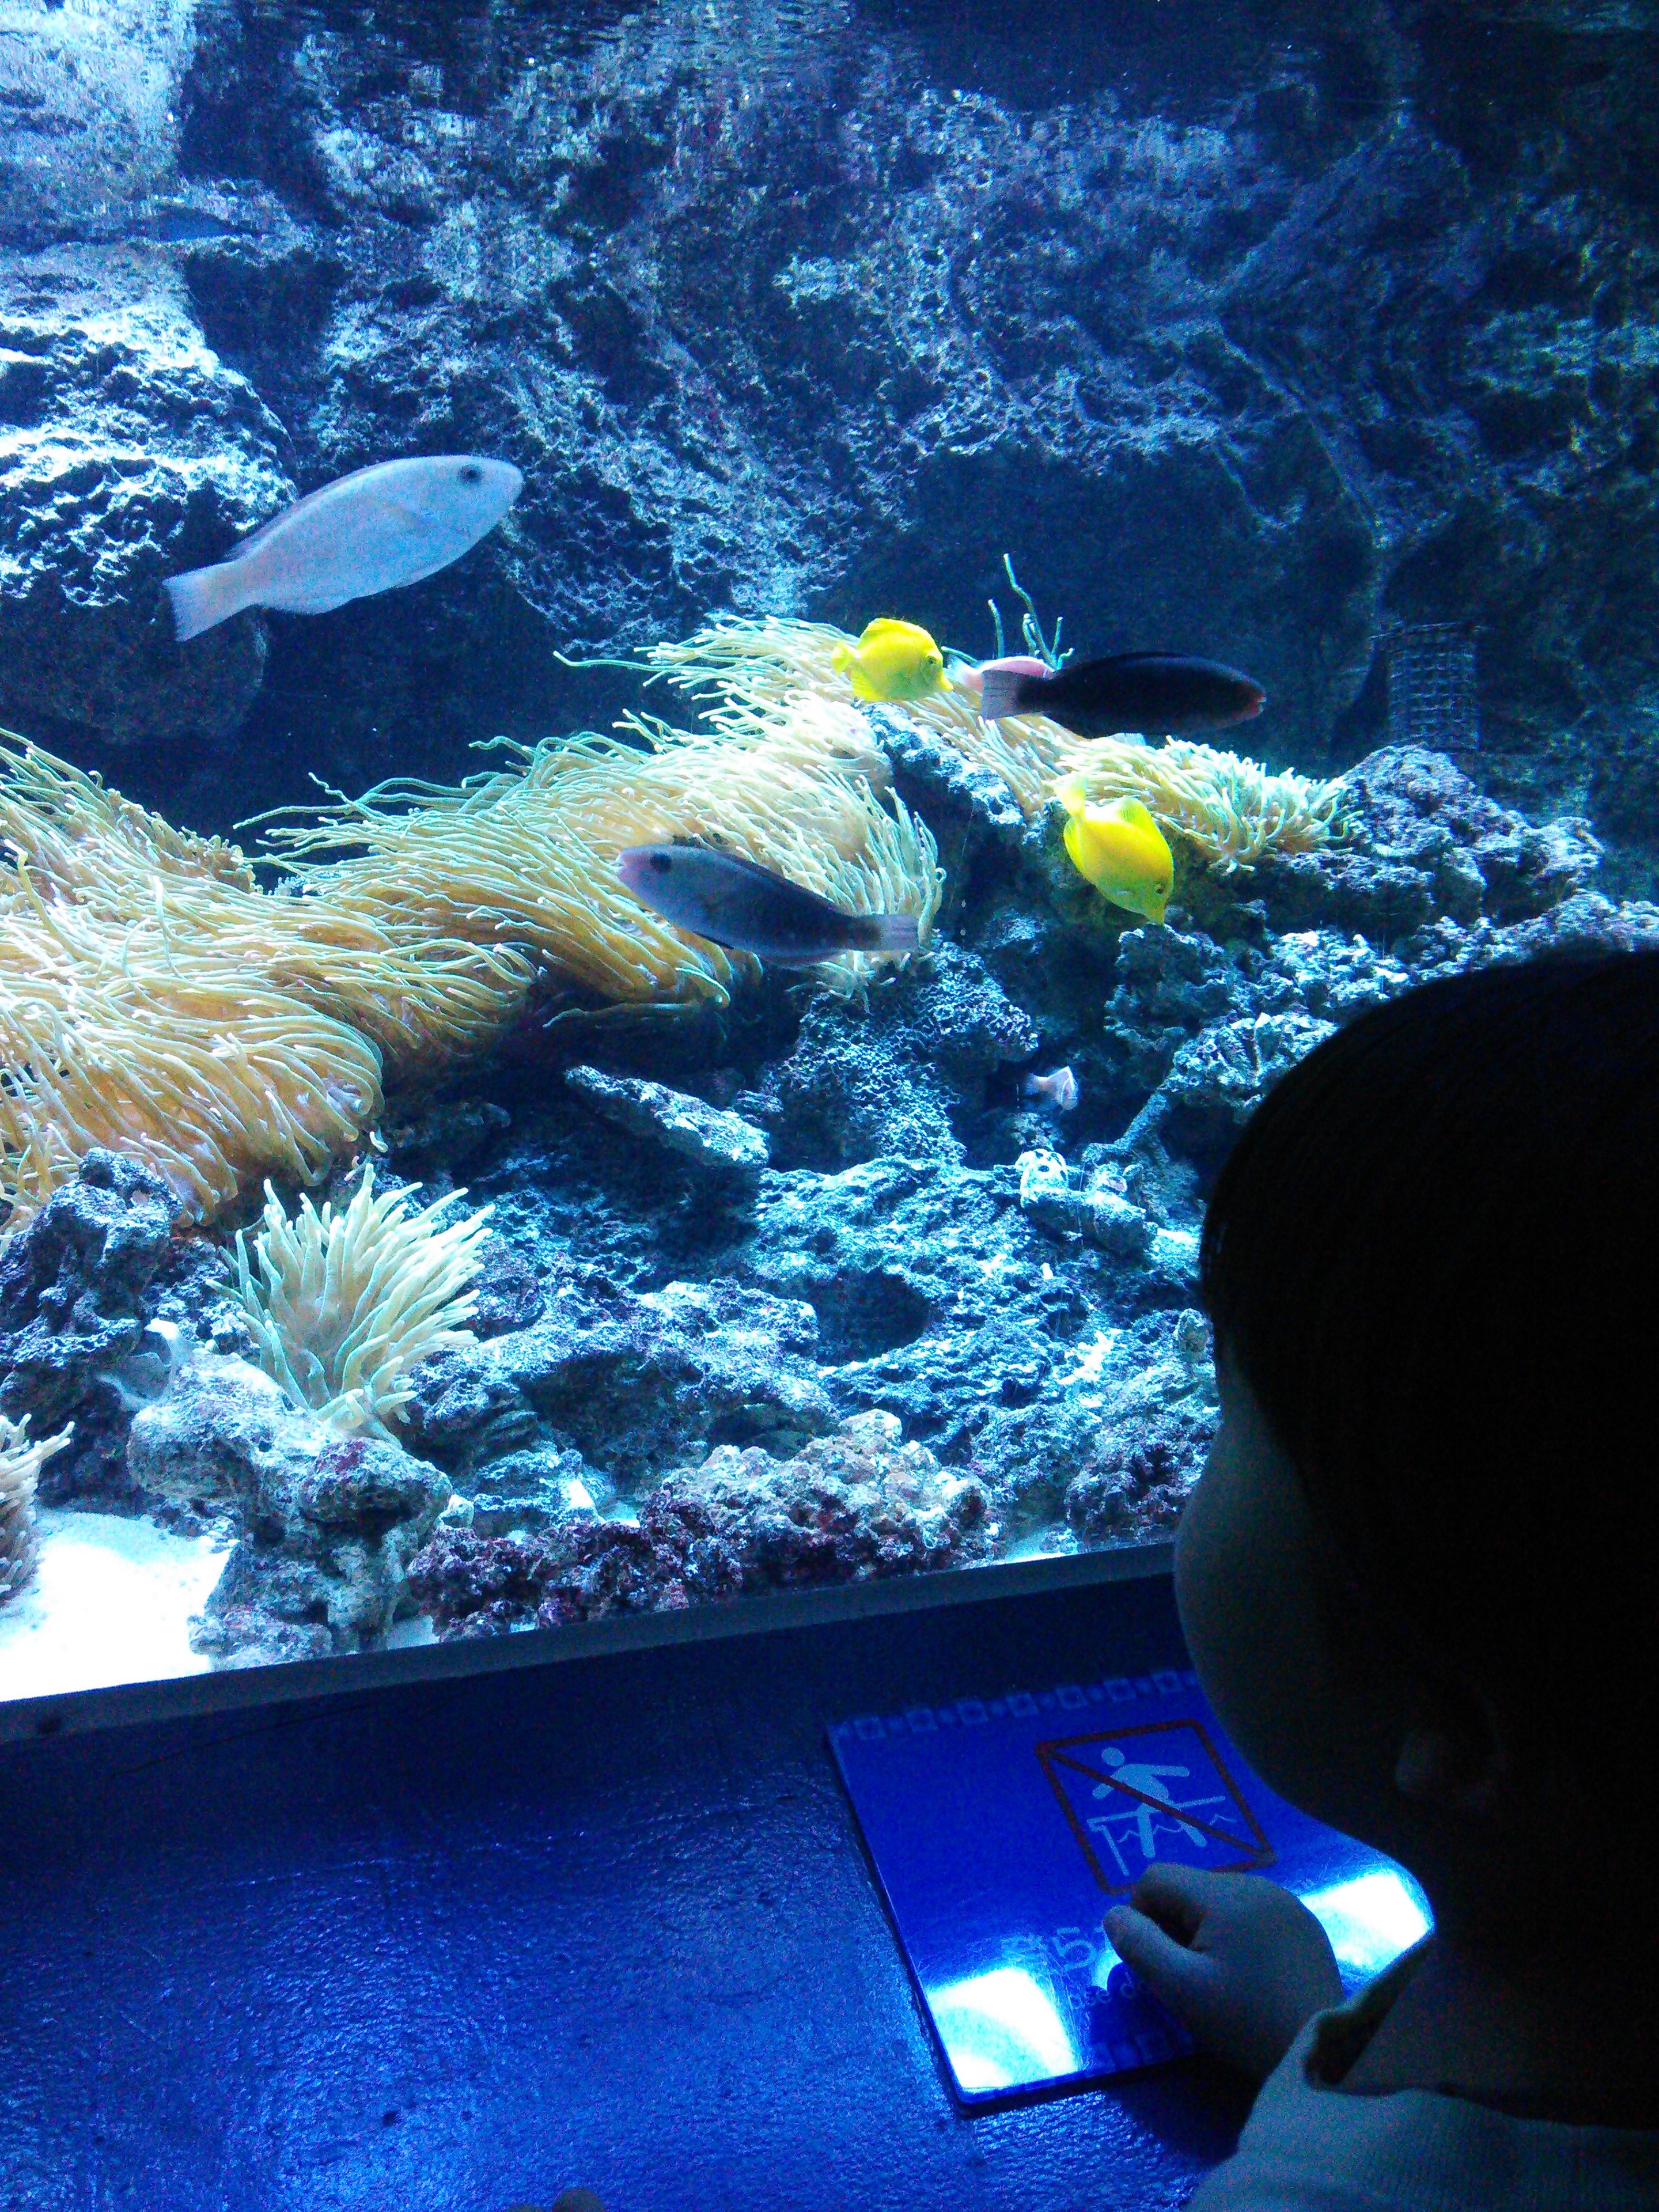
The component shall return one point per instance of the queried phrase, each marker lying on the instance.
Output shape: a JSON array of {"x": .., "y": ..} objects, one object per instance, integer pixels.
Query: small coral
[
  {"x": 342, "y": 1305},
  {"x": 21, "y": 1463}
]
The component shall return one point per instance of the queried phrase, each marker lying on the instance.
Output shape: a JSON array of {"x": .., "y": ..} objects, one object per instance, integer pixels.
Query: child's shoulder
[{"x": 1311, "y": 2146}]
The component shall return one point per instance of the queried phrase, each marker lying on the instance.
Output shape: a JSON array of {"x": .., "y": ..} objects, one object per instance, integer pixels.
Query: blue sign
[{"x": 1002, "y": 1830}]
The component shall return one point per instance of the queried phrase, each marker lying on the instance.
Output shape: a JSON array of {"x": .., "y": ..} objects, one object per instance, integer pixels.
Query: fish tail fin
[
  {"x": 893, "y": 932},
  {"x": 205, "y": 597},
  {"x": 999, "y": 693}
]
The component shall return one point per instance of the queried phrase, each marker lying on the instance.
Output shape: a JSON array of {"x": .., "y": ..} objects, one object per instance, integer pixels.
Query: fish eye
[
  {"x": 471, "y": 472},
  {"x": 660, "y": 864}
]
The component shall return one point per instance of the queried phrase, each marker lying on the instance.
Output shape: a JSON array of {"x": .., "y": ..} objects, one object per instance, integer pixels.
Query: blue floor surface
[{"x": 458, "y": 1947}]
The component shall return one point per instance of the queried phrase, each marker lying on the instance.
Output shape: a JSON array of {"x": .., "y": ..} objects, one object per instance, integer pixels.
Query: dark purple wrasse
[
  {"x": 1164, "y": 694},
  {"x": 747, "y": 908}
]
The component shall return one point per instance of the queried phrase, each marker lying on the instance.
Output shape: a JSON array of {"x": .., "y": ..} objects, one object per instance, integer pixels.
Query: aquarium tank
[{"x": 697, "y": 695}]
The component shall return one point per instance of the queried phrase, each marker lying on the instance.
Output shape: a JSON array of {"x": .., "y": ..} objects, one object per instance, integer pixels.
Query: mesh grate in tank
[{"x": 1432, "y": 696}]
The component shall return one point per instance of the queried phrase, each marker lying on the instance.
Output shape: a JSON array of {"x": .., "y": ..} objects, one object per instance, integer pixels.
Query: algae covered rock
[
  {"x": 326, "y": 1525},
  {"x": 857, "y": 1506}
]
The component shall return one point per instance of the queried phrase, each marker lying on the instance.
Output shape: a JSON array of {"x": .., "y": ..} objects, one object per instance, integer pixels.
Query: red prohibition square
[{"x": 1157, "y": 1792}]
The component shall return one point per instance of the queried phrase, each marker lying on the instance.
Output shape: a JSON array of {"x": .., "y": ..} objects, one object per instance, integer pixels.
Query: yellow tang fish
[
  {"x": 893, "y": 660},
  {"x": 1120, "y": 849}
]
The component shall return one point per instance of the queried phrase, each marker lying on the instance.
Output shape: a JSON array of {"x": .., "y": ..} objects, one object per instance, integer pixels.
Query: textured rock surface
[
  {"x": 905, "y": 1073},
  {"x": 854, "y": 1507},
  {"x": 627, "y": 1381},
  {"x": 1424, "y": 842},
  {"x": 75, "y": 1297},
  {"x": 722, "y": 1144},
  {"x": 326, "y": 1526},
  {"x": 129, "y": 452}
]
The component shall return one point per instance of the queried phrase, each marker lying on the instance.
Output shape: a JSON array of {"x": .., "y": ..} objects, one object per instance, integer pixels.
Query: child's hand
[{"x": 1240, "y": 1960}]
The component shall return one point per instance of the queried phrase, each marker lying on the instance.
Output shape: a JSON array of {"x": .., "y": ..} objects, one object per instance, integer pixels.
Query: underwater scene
[{"x": 696, "y": 698}]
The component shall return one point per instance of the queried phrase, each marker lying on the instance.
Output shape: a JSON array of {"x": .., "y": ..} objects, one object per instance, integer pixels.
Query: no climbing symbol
[{"x": 1133, "y": 1794}]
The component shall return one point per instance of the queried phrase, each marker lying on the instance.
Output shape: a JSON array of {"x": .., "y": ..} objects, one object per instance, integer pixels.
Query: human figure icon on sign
[{"x": 1151, "y": 1781}]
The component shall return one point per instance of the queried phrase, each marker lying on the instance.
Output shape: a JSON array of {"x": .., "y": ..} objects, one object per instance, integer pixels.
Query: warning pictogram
[{"x": 1133, "y": 1794}]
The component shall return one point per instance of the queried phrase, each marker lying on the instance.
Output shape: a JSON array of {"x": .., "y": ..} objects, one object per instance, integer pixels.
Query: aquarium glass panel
[{"x": 696, "y": 699}]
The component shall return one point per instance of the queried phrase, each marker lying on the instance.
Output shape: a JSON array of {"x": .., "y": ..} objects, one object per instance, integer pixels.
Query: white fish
[
  {"x": 370, "y": 531},
  {"x": 1058, "y": 1089}
]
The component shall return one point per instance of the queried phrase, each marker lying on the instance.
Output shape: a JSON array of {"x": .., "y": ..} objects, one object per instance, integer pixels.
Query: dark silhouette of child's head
[{"x": 1433, "y": 1262}]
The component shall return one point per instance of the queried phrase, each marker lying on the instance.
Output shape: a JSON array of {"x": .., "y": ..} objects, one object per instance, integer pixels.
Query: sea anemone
[
  {"x": 1230, "y": 808},
  {"x": 155, "y": 1000},
  {"x": 528, "y": 856},
  {"x": 180, "y": 901},
  {"x": 342, "y": 1305},
  {"x": 183, "y": 1061},
  {"x": 21, "y": 1463}
]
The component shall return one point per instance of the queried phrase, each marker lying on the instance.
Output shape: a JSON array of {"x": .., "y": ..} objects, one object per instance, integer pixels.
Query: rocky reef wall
[{"x": 1248, "y": 329}]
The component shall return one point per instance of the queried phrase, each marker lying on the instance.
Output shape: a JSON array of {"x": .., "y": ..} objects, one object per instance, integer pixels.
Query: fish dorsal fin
[
  {"x": 1131, "y": 811},
  {"x": 1072, "y": 793}
]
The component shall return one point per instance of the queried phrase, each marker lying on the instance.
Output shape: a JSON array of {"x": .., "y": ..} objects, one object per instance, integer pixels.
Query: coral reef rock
[
  {"x": 722, "y": 1143},
  {"x": 857, "y": 1506},
  {"x": 76, "y": 1287},
  {"x": 1423, "y": 841},
  {"x": 136, "y": 452},
  {"x": 905, "y": 1075},
  {"x": 1157, "y": 1420},
  {"x": 326, "y": 1526},
  {"x": 629, "y": 1382}
]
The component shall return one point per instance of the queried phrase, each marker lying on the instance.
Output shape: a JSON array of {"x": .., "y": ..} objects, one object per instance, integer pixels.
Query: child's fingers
[
  {"x": 1165, "y": 1964},
  {"x": 1176, "y": 1897}
]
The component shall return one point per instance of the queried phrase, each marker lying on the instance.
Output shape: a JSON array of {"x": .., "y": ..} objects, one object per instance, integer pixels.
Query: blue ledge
[{"x": 482, "y": 1924}]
